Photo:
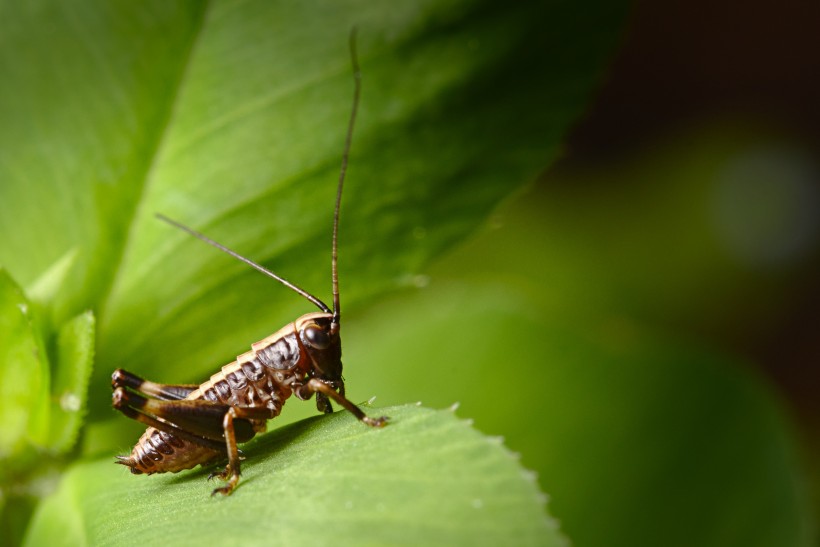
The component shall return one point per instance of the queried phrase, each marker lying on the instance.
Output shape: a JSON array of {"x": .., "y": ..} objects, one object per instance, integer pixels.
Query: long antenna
[
  {"x": 318, "y": 303},
  {"x": 336, "y": 311},
  {"x": 334, "y": 273}
]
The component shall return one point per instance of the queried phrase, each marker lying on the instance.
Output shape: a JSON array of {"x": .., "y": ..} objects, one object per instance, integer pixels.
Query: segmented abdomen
[{"x": 161, "y": 452}]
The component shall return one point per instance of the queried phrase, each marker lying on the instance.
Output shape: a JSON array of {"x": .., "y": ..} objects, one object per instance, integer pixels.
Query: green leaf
[
  {"x": 49, "y": 285},
  {"x": 15, "y": 512},
  {"x": 39, "y": 410},
  {"x": 69, "y": 391},
  {"x": 24, "y": 375},
  {"x": 40, "y": 414},
  {"x": 230, "y": 117},
  {"x": 427, "y": 478}
]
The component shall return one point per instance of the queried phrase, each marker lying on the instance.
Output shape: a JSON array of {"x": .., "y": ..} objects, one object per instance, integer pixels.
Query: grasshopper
[{"x": 190, "y": 425}]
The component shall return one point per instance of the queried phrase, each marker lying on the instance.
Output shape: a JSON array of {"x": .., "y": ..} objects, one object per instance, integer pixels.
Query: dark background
[{"x": 685, "y": 66}]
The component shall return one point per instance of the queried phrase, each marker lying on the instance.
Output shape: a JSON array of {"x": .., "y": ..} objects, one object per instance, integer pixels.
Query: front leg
[{"x": 315, "y": 385}]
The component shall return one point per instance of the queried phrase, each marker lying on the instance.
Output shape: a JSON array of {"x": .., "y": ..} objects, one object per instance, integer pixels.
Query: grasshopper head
[{"x": 324, "y": 348}]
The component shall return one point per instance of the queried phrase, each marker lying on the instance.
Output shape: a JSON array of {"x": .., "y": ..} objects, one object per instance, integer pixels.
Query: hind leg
[
  {"x": 207, "y": 423},
  {"x": 166, "y": 392}
]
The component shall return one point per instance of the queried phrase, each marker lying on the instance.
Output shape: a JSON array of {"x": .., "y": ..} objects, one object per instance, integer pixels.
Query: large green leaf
[
  {"x": 230, "y": 117},
  {"x": 427, "y": 478}
]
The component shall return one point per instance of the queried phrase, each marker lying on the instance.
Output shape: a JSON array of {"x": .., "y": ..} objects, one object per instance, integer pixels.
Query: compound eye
[{"x": 316, "y": 337}]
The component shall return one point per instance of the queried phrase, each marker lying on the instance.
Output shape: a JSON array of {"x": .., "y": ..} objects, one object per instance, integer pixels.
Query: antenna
[
  {"x": 334, "y": 273},
  {"x": 334, "y": 325},
  {"x": 318, "y": 303}
]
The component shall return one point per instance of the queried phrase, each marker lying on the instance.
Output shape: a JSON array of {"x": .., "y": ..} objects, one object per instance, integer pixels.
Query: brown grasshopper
[{"x": 202, "y": 424}]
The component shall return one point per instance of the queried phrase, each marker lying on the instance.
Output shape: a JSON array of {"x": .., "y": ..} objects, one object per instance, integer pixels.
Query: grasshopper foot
[
  {"x": 226, "y": 490},
  {"x": 376, "y": 422}
]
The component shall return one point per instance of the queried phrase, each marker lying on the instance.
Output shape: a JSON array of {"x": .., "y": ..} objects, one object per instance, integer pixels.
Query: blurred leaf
[
  {"x": 426, "y": 479},
  {"x": 40, "y": 414},
  {"x": 24, "y": 375},
  {"x": 51, "y": 282},
  {"x": 50, "y": 285},
  {"x": 666, "y": 221},
  {"x": 640, "y": 437},
  {"x": 15, "y": 512},
  {"x": 75, "y": 359},
  {"x": 230, "y": 117}
]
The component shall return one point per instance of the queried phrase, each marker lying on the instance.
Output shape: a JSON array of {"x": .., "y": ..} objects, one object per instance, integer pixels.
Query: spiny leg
[
  {"x": 317, "y": 386},
  {"x": 201, "y": 417},
  {"x": 233, "y": 470},
  {"x": 166, "y": 392}
]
